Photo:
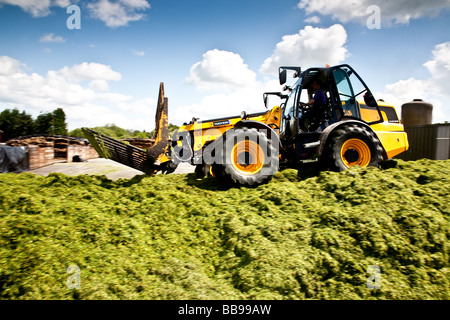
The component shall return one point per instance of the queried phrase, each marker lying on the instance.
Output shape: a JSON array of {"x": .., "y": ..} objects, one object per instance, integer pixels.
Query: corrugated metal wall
[{"x": 428, "y": 141}]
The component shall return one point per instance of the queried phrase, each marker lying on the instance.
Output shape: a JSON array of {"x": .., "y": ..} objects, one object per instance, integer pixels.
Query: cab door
[{"x": 349, "y": 88}]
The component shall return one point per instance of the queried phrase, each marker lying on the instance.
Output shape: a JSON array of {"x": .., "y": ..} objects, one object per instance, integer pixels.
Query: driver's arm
[{"x": 310, "y": 103}]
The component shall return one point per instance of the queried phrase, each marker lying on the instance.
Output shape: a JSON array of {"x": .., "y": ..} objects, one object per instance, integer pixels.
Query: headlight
[{"x": 243, "y": 115}]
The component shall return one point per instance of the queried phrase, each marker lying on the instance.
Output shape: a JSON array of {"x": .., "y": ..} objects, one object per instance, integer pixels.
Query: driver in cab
[
  {"x": 319, "y": 98},
  {"x": 313, "y": 107}
]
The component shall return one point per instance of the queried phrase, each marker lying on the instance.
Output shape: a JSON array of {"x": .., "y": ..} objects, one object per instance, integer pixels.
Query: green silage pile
[{"x": 173, "y": 237}]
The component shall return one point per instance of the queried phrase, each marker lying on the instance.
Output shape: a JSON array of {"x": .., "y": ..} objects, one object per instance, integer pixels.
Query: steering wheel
[{"x": 304, "y": 105}]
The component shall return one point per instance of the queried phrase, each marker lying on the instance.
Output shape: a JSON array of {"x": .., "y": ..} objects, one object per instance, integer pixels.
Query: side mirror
[
  {"x": 267, "y": 94},
  {"x": 370, "y": 100},
  {"x": 283, "y": 76}
]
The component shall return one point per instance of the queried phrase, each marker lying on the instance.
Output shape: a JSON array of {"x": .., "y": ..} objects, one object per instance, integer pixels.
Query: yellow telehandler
[{"x": 349, "y": 128}]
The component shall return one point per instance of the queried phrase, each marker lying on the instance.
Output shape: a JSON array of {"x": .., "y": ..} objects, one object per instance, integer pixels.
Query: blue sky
[{"x": 216, "y": 58}]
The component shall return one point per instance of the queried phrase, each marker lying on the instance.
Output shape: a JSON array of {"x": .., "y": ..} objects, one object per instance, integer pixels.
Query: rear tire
[
  {"x": 250, "y": 158},
  {"x": 353, "y": 145}
]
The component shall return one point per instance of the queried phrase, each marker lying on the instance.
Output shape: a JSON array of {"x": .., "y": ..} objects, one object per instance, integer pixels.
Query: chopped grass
[{"x": 174, "y": 237}]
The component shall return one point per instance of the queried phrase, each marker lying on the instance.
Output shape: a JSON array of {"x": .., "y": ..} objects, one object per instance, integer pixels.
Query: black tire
[
  {"x": 353, "y": 145},
  {"x": 250, "y": 158}
]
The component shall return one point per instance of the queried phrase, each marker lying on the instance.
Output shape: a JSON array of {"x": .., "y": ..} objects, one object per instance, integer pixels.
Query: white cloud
[
  {"x": 308, "y": 48},
  {"x": 85, "y": 104},
  {"x": 144, "y": 107},
  {"x": 37, "y": 8},
  {"x": 90, "y": 71},
  {"x": 138, "y": 53},
  {"x": 220, "y": 70},
  {"x": 439, "y": 67},
  {"x": 138, "y": 4},
  {"x": 223, "y": 104},
  {"x": 52, "y": 38},
  {"x": 99, "y": 85},
  {"x": 433, "y": 90},
  {"x": 63, "y": 3},
  {"x": 404, "y": 91},
  {"x": 118, "y": 13},
  {"x": 9, "y": 65},
  {"x": 398, "y": 11},
  {"x": 236, "y": 86},
  {"x": 313, "y": 19}
]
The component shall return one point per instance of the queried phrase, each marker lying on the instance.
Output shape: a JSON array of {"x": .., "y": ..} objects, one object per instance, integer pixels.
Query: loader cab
[
  {"x": 342, "y": 87},
  {"x": 295, "y": 113}
]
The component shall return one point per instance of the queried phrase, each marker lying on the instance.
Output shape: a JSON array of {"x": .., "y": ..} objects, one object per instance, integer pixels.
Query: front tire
[
  {"x": 353, "y": 145},
  {"x": 250, "y": 158}
]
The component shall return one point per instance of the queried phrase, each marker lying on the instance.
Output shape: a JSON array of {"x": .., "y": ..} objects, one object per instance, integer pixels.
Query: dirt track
[{"x": 111, "y": 169}]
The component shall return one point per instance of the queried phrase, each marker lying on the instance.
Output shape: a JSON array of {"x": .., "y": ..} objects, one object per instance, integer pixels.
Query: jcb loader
[{"x": 350, "y": 129}]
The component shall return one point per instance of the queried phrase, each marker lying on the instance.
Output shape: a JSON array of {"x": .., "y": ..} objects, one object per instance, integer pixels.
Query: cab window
[{"x": 346, "y": 93}]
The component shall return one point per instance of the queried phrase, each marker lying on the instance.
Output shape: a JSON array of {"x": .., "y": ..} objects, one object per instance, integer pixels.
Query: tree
[
  {"x": 77, "y": 133},
  {"x": 44, "y": 123},
  {"x": 113, "y": 131},
  {"x": 14, "y": 123},
  {"x": 53, "y": 123},
  {"x": 172, "y": 129},
  {"x": 59, "y": 122}
]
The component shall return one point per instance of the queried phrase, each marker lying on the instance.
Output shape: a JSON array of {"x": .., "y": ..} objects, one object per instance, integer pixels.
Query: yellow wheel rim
[
  {"x": 247, "y": 157},
  {"x": 355, "y": 152}
]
